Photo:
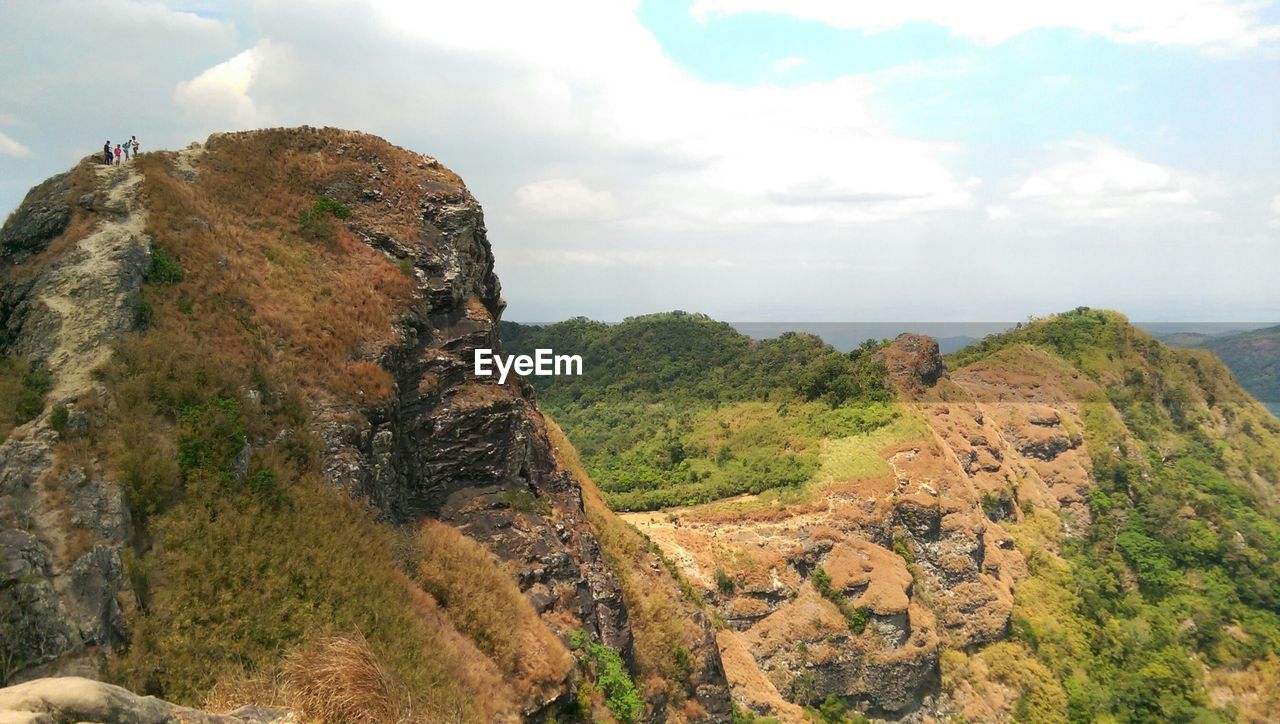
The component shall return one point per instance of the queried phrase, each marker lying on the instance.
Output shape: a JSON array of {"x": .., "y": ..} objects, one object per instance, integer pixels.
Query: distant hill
[{"x": 1254, "y": 358}]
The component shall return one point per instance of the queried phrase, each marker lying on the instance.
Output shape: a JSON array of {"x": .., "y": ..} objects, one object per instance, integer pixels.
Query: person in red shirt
[{"x": 117, "y": 154}]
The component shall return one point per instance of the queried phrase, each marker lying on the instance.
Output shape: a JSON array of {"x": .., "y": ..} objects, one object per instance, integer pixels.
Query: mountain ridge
[{"x": 1051, "y": 438}]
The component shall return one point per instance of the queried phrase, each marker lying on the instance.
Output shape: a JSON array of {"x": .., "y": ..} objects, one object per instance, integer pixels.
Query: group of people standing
[{"x": 122, "y": 149}]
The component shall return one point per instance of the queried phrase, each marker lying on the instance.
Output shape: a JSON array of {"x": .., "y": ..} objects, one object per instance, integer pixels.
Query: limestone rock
[{"x": 71, "y": 699}]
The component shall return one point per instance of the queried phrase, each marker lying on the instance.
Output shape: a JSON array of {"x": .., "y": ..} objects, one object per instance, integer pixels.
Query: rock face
[
  {"x": 463, "y": 449},
  {"x": 43, "y": 215},
  {"x": 913, "y": 360},
  {"x": 66, "y": 700},
  {"x": 63, "y": 586}
]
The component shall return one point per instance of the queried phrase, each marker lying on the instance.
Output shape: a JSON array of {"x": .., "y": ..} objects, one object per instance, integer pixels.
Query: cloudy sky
[{"x": 759, "y": 160}]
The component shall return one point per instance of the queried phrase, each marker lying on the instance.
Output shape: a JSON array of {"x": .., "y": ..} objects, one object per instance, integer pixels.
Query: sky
[{"x": 756, "y": 160}]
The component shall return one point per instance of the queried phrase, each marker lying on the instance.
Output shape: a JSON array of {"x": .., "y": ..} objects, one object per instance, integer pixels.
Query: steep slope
[
  {"x": 1068, "y": 521},
  {"x": 261, "y": 455}
]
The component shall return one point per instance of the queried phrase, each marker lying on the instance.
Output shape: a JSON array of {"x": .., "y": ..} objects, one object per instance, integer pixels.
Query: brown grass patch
[
  {"x": 258, "y": 290},
  {"x": 482, "y": 600},
  {"x": 338, "y": 679}
]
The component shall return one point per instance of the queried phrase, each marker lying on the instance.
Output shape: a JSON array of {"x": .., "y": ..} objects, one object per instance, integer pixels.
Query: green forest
[{"x": 677, "y": 409}]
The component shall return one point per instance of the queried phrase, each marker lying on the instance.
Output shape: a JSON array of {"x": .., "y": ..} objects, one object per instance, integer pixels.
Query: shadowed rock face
[{"x": 42, "y": 216}]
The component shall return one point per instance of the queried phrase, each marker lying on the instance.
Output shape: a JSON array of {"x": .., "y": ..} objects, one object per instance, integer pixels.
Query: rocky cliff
[
  {"x": 856, "y": 591},
  {"x": 288, "y": 308}
]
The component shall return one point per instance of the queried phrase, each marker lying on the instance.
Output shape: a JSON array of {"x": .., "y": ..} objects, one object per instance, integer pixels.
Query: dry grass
[
  {"x": 482, "y": 600},
  {"x": 339, "y": 679},
  {"x": 258, "y": 291}
]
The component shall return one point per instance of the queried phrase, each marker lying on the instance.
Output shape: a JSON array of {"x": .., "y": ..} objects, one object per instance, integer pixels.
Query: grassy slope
[{"x": 1179, "y": 572}]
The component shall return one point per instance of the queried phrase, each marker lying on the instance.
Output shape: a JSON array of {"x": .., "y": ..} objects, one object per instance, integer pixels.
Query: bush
[
  {"x": 58, "y": 418},
  {"x": 36, "y": 383},
  {"x": 315, "y": 223},
  {"x": 326, "y": 205},
  {"x": 143, "y": 313},
  {"x": 856, "y": 618},
  {"x": 724, "y": 582},
  {"x": 165, "y": 268},
  {"x": 611, "y": 676}
]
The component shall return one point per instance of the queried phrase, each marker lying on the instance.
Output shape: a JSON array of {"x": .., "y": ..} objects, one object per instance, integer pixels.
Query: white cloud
[
  {"x": 1275, "y": 209},
  {"x": 221, "y": 93},
  {"x": 610, "y": 100},
  {"x": 10, "y": 147},
  {"x": 565, "y": 198},
  {"x": 999, "y": 212},
  {"x": 1200, "y": 23},
  {"x": 1092, "y": 181}
]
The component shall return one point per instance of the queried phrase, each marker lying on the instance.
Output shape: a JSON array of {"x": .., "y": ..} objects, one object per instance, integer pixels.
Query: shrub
[
  {"x": 165, "y": 268},
  {"x": 58, "y": 418},
  {"x": 143, "y": 313},
  {"x": 724, "y": 582},
  {"x": 856, "y": 618},
  {"x": 315, "y": 224},
  {"x": 210, "y": 436},
  {"x": 326, "y": 205},
  {"x": 34, "y": 383},
  {"x": 611, "y": 676}
]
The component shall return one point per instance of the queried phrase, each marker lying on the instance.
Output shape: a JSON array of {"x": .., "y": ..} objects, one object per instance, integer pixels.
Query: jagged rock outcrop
[
  {"x": 913, "y": 360},
  {"x": 43, "y": 215}
]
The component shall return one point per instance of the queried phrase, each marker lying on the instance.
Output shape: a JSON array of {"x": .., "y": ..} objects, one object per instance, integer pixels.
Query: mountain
[
  {"x": 247, "y": 462},
  {"x": 1068, "y": 521},
  {"x": 1253, "y": 356}
]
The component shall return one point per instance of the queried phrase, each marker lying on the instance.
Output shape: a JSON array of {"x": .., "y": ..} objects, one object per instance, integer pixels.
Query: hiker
[
  {"x": 117, "y": 154},
  {"x": 134, "y": 141},
  {"x": 126, "y": 151},
  {"x": 106, "y": 153}
]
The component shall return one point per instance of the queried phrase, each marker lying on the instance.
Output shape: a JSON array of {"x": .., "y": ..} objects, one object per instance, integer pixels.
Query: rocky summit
[{"x": 264, "y": 340}]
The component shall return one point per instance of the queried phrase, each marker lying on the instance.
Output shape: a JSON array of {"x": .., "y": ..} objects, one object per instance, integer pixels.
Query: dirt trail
[{"x": 91, "y": 291}]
